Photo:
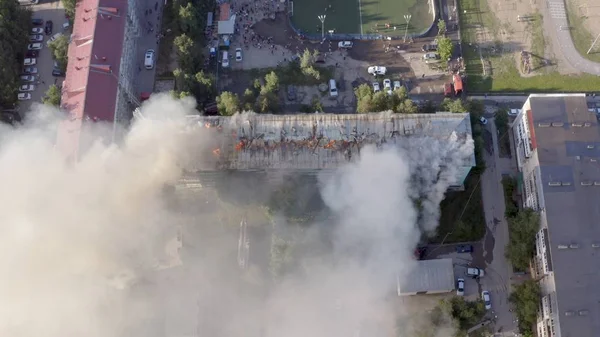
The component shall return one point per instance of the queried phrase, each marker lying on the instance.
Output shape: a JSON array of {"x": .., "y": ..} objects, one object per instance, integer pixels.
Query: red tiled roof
[
  {"x": 90, "y": 88},
  {"x": 224, "y": 12}
]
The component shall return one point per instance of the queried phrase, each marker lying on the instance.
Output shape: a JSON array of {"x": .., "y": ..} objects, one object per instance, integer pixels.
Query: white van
[
  {"x": 475, "y": 272},
  {"x": 225, "y": 62},
  {"x": 333, "y": 92}
]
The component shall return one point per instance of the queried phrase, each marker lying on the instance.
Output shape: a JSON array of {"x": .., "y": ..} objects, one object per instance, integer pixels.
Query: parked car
[
  {"x": 475, "y": 272},
  {"x": 431, "y": 57},
  {"x": 485, "y": 296},
  {"x": 460, "y": 287},
  {"x": 53, "y": 38},
  {"x": 397, "y": 85},
  {"x": 37, "y": 22},
  {"x": 30, "y": 70},
  {"x": 27, "y": 87},
  {"x": 32, "y": 53},
  {"x": 24, "y": 96},
  {"x": 376, "y": 87},
  {"x": 37, "y": 30},
  {"x": 238, "y": 54},
  {"x": 149, "y": 59},
  {"x": 514, "y": 112},
  {"x": 345, "y": 44},
  {"x": 448, "y": 90},
  {"x": 377, "y": 70},
  {"x": 464, "y": 248},
  {"x": 48, "y": 27},
  {"x": 291, "y": 93},
  {"x": 36, "y": 38},
  {"x": 57, "y": 73},
  {"x": 429, "y": 47},
  {"x": 483, "y": 120},
  {"x": 34, "y": 46},
  {"x": 387, "y": 86},
  {"x": 27, "y": 78},
  {"x": 29, "y": 62}
]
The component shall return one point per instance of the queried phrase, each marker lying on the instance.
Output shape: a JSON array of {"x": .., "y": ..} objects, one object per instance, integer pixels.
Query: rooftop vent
[
  {"x": 587, "y": 125},
  {"x": 596, "y": 183},
  {"x": 586, "y": 183},
  {"x": 583, "y": 312},
  {"x": 569, "y": 313},
  {"x": 544, "y": 125},
  {"x": 577, "y": 125},
  {"x": 593, "y": 160},
  {"x": 574, "y": 246},
  {"x": 558, "y": 124},
  {"x": 566, "y": 183},
  {"x": 590, "y": 147},
  {"x": 554, "y": 183},
  {"x": 595, "y": 245},
  {"x": 563, "y": 247}
]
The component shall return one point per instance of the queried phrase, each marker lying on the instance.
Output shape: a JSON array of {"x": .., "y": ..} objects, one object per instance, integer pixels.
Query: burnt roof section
[
  {"x": 91, "y": 83},
  {"x": 315, "y": 141},
  {"x": 567, "y": 137}
]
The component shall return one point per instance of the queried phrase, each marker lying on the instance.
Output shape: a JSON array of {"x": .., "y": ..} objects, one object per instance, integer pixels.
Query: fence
[{"x": 335, "y": 36}]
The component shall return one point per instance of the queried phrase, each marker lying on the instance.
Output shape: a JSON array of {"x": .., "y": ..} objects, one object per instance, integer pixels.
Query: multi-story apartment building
[
  {"x": 558, "y": 147},
  {"x": 102, "y": 60}
]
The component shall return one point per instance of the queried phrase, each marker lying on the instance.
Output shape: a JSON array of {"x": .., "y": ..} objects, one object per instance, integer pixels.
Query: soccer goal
[{"x": 291, "y": 8}]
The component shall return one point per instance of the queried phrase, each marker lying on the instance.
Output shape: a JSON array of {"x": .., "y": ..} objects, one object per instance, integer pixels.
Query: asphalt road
[
  {"x": 54, "y": 11},
  {"x": 498, "y": 269},
  {"x": 148, "y": 39}
]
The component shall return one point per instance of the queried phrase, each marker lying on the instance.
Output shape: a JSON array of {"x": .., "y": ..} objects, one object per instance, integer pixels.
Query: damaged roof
[{"x": 315, "y": 141}]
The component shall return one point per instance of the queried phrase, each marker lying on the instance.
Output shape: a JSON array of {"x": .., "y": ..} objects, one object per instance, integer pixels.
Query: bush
[
  {"x": 526, "y": 298},
  {"x": 522, "y": 229}
]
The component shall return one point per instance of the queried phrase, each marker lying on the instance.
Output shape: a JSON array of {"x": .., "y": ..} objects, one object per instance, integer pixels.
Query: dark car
[
  {"x": 37, "y": 22},
  {"x": 464, "y": 249},
  {"x": 291, "y": 93},
  {"x": 32, "y": 53},
  {"x": 48, "y": 28},
  {"x": 57, "y": 73},
  {"x": 429, "y": 47},
  {"x": 420, "y": 253}
]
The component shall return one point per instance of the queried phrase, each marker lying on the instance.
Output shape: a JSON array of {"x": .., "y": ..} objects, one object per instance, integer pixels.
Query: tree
[
  {"x": 441, "y": 27},
  {"x": 59, "y": 48},
  {"x": 188, "y": 18},
  {"x": 228, "y": 103},
  {"x": 445, "y": 47},
  {"x": 465, "y": 314},
  {"x": 521, "y": 244},
  {"x": 206, "y": 84},
  {"x": 364, "y": 98},
  {"x": 526, "y": 298},
  {"x": 407, "y": 107},
  {"x": 306, "y": 59},
  {"x": 185, "y": 48},
  {"x": 453, "y": 105},
  {"x": 52, "y": 96},
  {"x": 248, "y": 100},
  {"x": 381, "y": 101},
  {"x": 14, "y": 35},
  {"x": 69, "y": 6},
  {"x": 272, "y": 82},
  {"x": 267, "y": 102}
]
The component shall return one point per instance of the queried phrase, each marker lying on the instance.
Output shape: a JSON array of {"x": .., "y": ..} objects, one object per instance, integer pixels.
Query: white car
[
  {"x": 27, "y": 87},
  {"x": 27, "y": 78},
  {"x": 149, "y": 59},
  {"x": 397, "y": 85},
  {"x": 29, "y": 61},
  {"x": 387, "y": 86},
  {"x": 460, "y": 287},
  {"x": 377, "y": 70},
  {"x": 345, "y": 44},
  {"x": 485, "y": 296},
  {"x": 483, "y": 120},
  {"x": 376, "y": 87},
  {"x": 24, "y": 96},
  {"x": 238, "y": 54},
  {"x": 54, "y": 37},
  {"x": 34, "y": 46},
  {"x": 431, "y": 56},
  {"x": 36, "y": 38},
  {"x": 514, "y": 112},
  {"x": 37, "y": 30}
]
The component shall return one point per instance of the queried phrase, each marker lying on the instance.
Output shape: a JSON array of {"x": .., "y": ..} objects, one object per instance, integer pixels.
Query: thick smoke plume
[{"x": 97, "y": 249}]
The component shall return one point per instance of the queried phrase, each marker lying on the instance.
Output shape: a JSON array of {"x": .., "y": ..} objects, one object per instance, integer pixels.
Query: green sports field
[{"x": 384, "y": 17}]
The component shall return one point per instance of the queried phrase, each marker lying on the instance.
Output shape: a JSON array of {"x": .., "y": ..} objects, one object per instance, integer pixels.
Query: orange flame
[
  {"x": 207, "y": 125},
  {"x": 217, "y": 152},
  {"x": 239, "y": 146},
  {"x": 330, "y": 145}
]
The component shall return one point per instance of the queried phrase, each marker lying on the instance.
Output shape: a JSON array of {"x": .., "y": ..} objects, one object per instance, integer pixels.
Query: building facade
[{"x": 557, "y": 142}]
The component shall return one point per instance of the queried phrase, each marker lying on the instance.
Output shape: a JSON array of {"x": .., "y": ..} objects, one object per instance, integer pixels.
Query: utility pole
[
  {"x": 322, "y": 19},
  {"x": 407, "y": 17},
  {"x": 593, "y": 44}
]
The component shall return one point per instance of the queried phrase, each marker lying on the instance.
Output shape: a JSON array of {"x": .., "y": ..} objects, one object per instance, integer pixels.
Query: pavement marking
[
  {"x": 557, "y": 10},
  {"x": 360, "y": 16}
]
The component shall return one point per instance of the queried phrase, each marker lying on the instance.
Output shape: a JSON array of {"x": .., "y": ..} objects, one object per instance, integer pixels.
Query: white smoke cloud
[{"x": 80, "y": 244}]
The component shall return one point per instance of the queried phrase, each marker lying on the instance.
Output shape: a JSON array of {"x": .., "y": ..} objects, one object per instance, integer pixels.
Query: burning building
[{"x": 311, "y": 143}]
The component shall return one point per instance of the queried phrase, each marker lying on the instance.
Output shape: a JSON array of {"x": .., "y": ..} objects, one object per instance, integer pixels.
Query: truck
[{"x": 458, "y": 84}]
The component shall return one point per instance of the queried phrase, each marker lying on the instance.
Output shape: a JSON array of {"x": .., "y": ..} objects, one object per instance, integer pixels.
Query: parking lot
[{"x": 53, "y": 11}]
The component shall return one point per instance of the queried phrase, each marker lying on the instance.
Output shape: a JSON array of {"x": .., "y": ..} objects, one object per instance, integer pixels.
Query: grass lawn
[
  {"x": 582, "y": 38},
  {"x": 344, "y": 16},
  {"x": 505, "y": 76},
  {"x": 471, "y": 227}
]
